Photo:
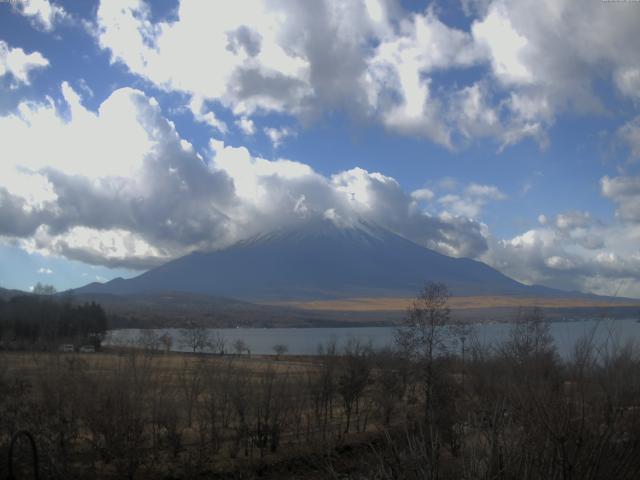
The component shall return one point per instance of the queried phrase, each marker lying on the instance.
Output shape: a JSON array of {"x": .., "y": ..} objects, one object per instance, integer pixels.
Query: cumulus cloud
[
  {"x": 246, "y": 125},
  {"x": 627, "y": 79},
  {"x": 204, "y": 115},
  {"x": 380, "y": 198},
  {"x": 422, "y": 194},
  {"x": 277, "y": 135},
  {"x": 43, "y": 13},
  {"x": 574, "y": 251},
  {"x": 119, "y": 187},
  {"x": 382, "y": 63},
  {"x": 19, "y": 64},
  {"x": 235, "y": 55},
  {"x": 573, "y": 220},
  {"x": 624, "y": 191},
  {"x": 400, "y": 67},
  {"x": 629, "y": 135},
  {"x": 470, "y": 202}
]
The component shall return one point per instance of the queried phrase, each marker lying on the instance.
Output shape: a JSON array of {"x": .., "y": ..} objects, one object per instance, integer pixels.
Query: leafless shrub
[
  {"x": 240, "y": 346},
  {"x": 354, "y": 377},
  {"x": 195, "y": 338},
  {"x": 280, "y": 349},
  {"x": 190, "y": 380},
  {"x": 116, "y": 413}
]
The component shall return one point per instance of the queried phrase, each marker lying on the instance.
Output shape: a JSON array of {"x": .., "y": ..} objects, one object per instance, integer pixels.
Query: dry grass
[
  {"x": 28, "y": 364},
  {"x": 394, "y": 304}
]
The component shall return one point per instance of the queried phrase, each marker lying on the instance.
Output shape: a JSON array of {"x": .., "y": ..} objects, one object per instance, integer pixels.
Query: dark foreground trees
[{"x": 26, "y": 320}]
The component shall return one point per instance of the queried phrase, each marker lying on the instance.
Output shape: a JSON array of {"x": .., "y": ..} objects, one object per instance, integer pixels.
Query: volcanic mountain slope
[{"x": 320, "y": 260}]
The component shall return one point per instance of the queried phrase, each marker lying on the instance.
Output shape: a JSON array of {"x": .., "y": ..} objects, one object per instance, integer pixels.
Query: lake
[{"x": 305, "y": 341}]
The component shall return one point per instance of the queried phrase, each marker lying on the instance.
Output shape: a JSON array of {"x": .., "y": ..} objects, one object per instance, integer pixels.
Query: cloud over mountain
[{"x": 120, "y": 187}]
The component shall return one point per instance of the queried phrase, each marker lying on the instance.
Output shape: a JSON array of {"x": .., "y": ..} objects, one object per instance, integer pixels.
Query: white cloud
[
  {"x": 624, "y": 191},
  {"x": 246, "y": 125},
  {"x": 201, "y": 114},
  {"x": 471, "y": 201},
  {"x": 112, "y": 138},
  {"x": 422, "y": 194},
  {"x": 550, "y": 55},
  {"x": 474, "y": 115},
  {"x": 629, "y": 134},
  {"x": 489, "y": 192},
  {"x": 19, "y": 64},
  {"x": 45, "y": 271},
  {"x": 277, "y": 135},
  {"x": 121, "y": 188},
  {"x": 235, "y": 55},
  {"x": 506, "y": 45},
  {"x": 559, "y": 263},
  {"x": 43, "y": 13},
  {"x": 382, "y": 63},
  {"x": 627, "y": 80},
  {"x": 116, "y": 187},
  {"x": 400, "y": 67},
  {"x": 574, "y": 251},
  {"x": 573, "y": 220}
]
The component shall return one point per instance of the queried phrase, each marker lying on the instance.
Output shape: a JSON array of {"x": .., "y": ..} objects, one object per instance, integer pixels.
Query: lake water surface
[{"x": 305, "y": 341}]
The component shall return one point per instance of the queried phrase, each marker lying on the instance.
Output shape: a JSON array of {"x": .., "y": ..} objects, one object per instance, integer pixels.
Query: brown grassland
[
  {"x": 138, "y": 413},
  {"x": 378, "y": 304}
]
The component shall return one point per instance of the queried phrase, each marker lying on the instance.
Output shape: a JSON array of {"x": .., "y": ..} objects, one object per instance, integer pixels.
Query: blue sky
[{"x": 134, "y": 132}]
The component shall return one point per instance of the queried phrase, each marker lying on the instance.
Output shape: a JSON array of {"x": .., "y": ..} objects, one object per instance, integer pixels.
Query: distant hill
[
  {"x": 6, "y": 294},
  {"x": 320, "y": 260},
  {"x": 179, "y": 309}
]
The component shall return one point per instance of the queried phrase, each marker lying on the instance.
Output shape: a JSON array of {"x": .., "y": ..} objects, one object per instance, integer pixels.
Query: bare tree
[
  {"x": 217, "y": 406},
  {"x": 166, "y": 341},
  {"x": 423, "y": 336},
  {"x": 322, "y": 386},
  {"x": 149, "y": 340},
  {"x": 190, "y": 379},
  {"x": 240, "y": 346},
  {"x": 354, "y": 378},
  {"x": 390, "y": 383},
  {"x": 530, "y": 335},
  {"x": 43, "y": 289},
  {"x": 195, "y": 338},
  {"x": 280, "y": 349},
  {"x": 423, "y": 331},
  {"x": 217, "y": 343}
]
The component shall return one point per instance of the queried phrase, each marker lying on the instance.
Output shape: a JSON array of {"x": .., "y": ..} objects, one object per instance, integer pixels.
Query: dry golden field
[{"x": 378, "y": 304}]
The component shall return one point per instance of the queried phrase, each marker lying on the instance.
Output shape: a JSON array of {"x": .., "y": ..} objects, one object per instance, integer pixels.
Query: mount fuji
[{"x": 316, "y": 260}]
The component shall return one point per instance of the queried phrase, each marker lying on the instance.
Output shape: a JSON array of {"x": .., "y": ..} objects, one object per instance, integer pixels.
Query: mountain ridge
[{"x": 321, "y": 260}]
